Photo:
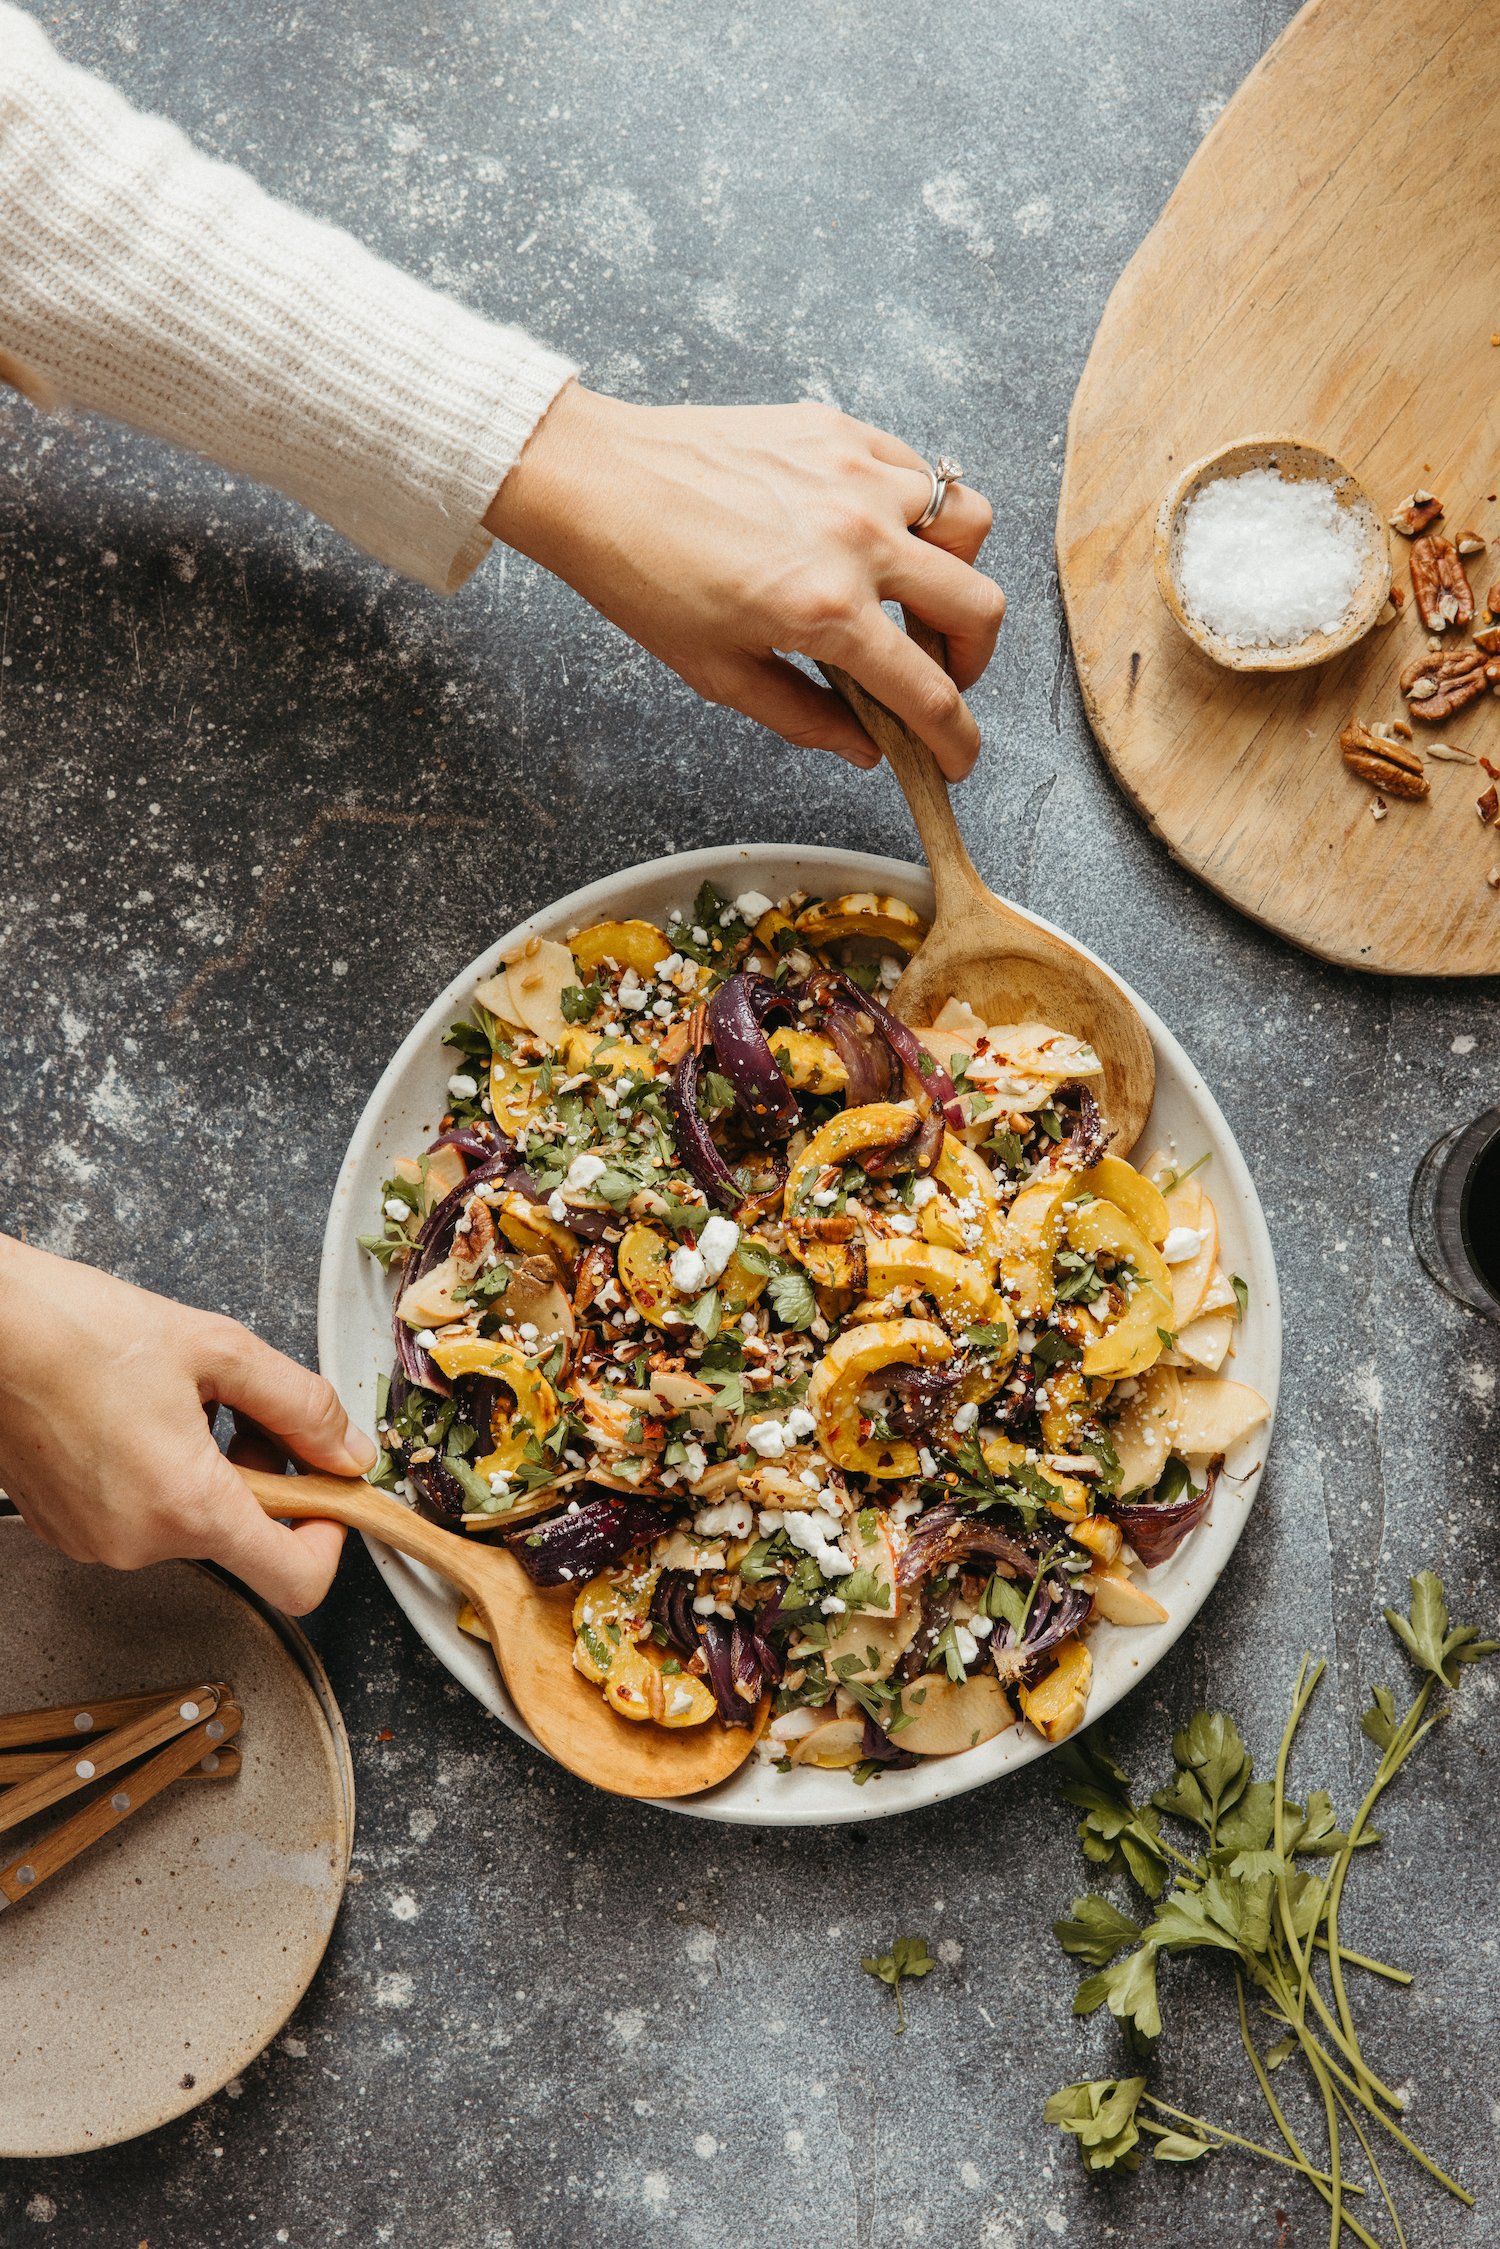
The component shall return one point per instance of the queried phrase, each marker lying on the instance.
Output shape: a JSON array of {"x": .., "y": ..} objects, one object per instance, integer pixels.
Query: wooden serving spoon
[
  {"x": 981, "y": 950},
  {"x": 530, "y": 1629}
]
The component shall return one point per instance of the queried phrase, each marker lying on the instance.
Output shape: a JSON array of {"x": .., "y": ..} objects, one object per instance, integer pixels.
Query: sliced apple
[
  {"x": 1120, "y": 1599},
  {"x": 435, "y": 1175},
  {"x": 430, "y": 1302},
  {"x": 886, "y": 1637},
  {"x": 494, "y": 993},
  {"x": 1189, "y": 1207},
  {"x": 1130, "y": 1190},
  {"x": 1056, "y": 1704},
  {"x": 1213, "y": 1414},
  {"x": 1219, "y": 1296},
  {"x": 872, "y": 1548},
  {"x": 534, "y": 984},
  {"x": 833, "y": 1746},
  {"x": 1143, "y": 1434},
  {"x": 948, "y": 1716},
  {"x": 1204, "y": 1342}
]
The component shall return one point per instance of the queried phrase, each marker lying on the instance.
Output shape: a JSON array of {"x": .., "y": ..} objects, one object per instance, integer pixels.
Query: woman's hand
[
  {"x": 107, "y": 1450},
  {"x": 719, "y": 536}
]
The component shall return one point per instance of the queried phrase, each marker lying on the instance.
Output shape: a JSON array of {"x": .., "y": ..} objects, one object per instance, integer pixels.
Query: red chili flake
[{"x": 385, "y": 1734}]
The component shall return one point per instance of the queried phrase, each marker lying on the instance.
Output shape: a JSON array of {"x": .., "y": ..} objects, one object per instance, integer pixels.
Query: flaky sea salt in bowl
[{"x": 1270, "y": 556}]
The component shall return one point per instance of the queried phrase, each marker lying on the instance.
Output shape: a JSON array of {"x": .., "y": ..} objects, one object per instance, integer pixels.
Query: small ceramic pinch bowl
[{"x": 1297, "y": 463}]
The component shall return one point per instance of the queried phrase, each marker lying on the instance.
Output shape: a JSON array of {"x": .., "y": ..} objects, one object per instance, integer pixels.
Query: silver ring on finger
[{"x": 947, "y": 472}]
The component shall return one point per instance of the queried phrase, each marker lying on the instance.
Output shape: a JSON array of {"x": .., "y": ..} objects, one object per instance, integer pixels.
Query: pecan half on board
[
  {"x": 1416, "y": 512},
  {"x": 1390, "y": 766},
  {"x": 1440, "y": 583},
  {"x": 1437, "y": 686}
]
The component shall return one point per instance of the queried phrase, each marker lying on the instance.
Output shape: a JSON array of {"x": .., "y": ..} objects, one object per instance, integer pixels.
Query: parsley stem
[
  {"x": 1408, "y": 1733},
  {"x": 1218, "y": 2132},
  {"x": 1379, "y": 2175},
  {"x": 1311, "y": 2047},
  {"x": 1308, "y": 2169},
  {"x": 1362, "y": 1960},
  {"x": 1336, "y": 2198}
]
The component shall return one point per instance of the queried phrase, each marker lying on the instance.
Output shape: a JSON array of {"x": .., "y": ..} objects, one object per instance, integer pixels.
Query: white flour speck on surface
[
  {"x": 41, "y": 2209},
  {"x": 421, "y": 1824},
  {"x": 1465, "y": 1043},
  {"x": 1264, "y": 560},
  {"x": 404, "y": 1906},
  {"x": 656, "y": 2190},
  {"x": 1054, "y": 2220},
  {"x": 951, "y": 201},
  {"x": 627, "y": 2025},
  {"x": 1033, "y": 218},
  {"x": 705, "y": 2145},
  {"x": 394, "y": 1989}
]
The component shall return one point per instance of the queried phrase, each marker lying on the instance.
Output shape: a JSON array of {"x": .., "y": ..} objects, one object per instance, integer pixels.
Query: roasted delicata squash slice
[
  {"x": 957, "y": 1285},
  {"x": 1191, "y": 1213},
  {"x": 853, "y": 1362},
  {"x": 1056, "y": 1704},
  {"x": 836, "y": 1262},
  {"x": 530, "y": 1228},
  {"x": 1135, "y": 1341},
  {"x": 645, "y": 1263},
  {"x": 1115, "y": 1181},
  {"x": 628, "y": 944},
  {"x": 535, "y": 1412},
  {"x": 884, "y": 921},
  {"x": 1074, "y": 1499},
  {"x": 966, "y": 1215},
  {"x": 1031, "y": 1239},
  {"x": 806, "y": 1061},
  {"x": 516, "y": 1094}
]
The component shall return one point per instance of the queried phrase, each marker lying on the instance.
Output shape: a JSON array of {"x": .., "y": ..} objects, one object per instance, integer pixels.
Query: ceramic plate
[
  {"x": 160, "y": 1963},
  {"x": 355, "y": 1344}
]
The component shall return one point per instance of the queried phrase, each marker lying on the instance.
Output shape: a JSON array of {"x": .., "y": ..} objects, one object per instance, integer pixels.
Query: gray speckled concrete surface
[{"x": 232, "y": 754}]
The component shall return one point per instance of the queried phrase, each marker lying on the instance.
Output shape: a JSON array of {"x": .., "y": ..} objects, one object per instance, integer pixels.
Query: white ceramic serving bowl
[{"x": 354, "y": 1338}]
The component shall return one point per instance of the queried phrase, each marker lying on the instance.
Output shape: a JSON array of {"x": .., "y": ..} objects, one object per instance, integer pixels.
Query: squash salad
[{"x": 841, "y": 1376}]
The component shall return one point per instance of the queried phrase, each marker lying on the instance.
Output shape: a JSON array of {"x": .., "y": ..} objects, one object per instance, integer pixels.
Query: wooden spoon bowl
[
  {"x": 531, "y": 1631},
  {"x": 978, "y": 949}
]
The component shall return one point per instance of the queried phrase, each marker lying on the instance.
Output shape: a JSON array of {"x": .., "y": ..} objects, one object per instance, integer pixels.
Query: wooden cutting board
[{"x": 1326, "y": 269}]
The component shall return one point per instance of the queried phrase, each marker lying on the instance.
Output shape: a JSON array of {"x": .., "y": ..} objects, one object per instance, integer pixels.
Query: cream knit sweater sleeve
[{"x": 142, "y": 279}]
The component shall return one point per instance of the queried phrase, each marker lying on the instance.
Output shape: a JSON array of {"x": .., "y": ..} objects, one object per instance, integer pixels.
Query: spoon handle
[
  {"x": 351, "y": 1501},
  {"x": 954, "y": 877}
]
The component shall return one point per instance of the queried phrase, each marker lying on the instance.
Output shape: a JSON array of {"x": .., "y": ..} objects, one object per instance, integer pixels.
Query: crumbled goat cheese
[
  {"x": 768, "y": 1438},
  {"x": 585, "y": 1172},
  {"x": 793, "y": 1725},
  {"x": 462, "y": 1086},
  {"x": 965, "y": 1417},
  {"x": 1183, "y": 1244},
  {"x": 717, "y": 1244},
  {"x": 688, "y": 1270},
  {"x": 814, "y": 1534},
  {"x": 922, "y": 1192},
  {"x": 556, "y": 1207},
  {"x": 752, "y": 904},
  {"x": 395, "y": 1208},
  {"x": 633, "y": 993},
  {"x": 965, "y": 1642},
  {"x": 800, "y": 1422}
]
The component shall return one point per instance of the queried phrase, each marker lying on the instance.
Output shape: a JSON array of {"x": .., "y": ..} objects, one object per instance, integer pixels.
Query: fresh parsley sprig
[
  {"x": 907, "y": 1958},
  {"x": 1244, "y": 1890}
]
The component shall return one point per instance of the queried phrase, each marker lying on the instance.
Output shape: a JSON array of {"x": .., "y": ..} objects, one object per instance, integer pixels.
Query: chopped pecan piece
[
  {"x": 1487, "y": 637},
  {"x": 1385, "y": 765},
  {"x": 476, "y": 1243},
  {"x": 1437, "y": 686},
  {"x": 1470, "y": 542},
  {"x": 1440, "y": 583},
  {"x": 1415, "y": 513},
  {"x": 1492, "y": 599},
  {"x": 1488, "y": 805}
]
